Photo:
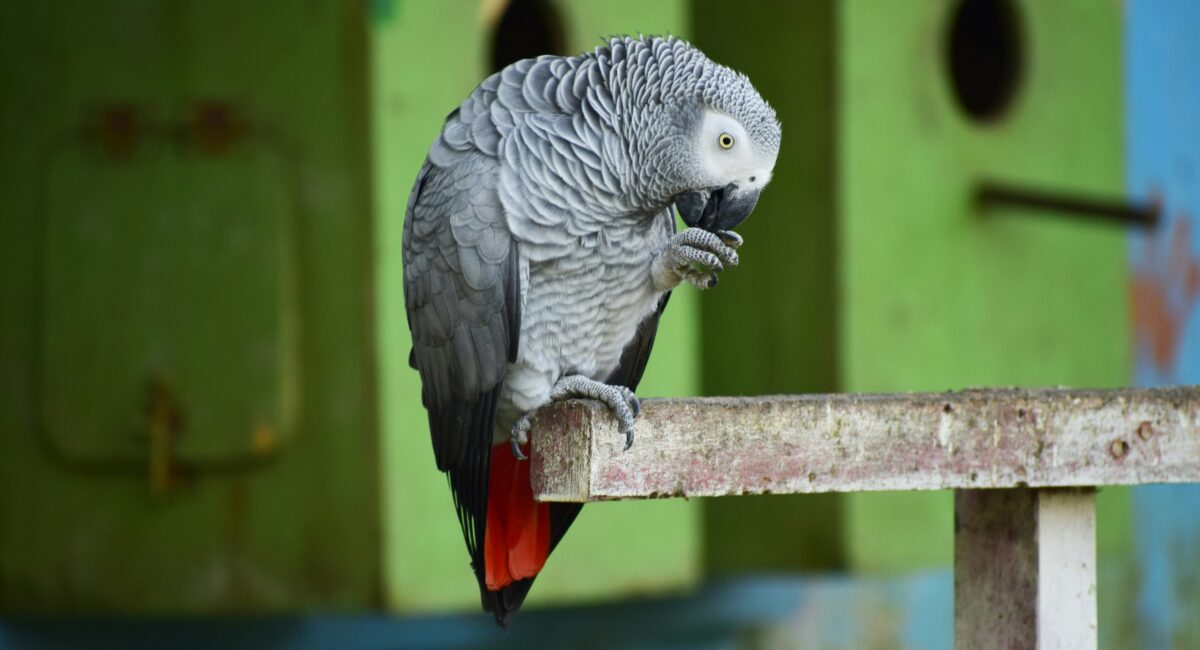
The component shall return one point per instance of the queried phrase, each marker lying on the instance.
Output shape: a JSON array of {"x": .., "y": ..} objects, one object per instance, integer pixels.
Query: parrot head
[{"x": 728, "y": 143}]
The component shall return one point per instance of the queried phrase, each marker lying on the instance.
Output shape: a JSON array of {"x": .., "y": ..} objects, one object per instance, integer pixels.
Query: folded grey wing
[{"x": 462, "y": 297}]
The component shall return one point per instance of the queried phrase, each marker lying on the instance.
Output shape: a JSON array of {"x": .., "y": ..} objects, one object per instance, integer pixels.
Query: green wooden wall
[
  {"x": 934, "y": 297},
  {"x": 234, "y": 279},
  {"x": 867, "y": 268},
  {"x": 614, "y": 548}
]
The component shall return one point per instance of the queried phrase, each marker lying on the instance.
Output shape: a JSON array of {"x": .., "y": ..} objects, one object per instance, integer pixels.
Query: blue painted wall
[
  {"x": 1163, "y": 150},
  {"x": 1163, "y": 164}
]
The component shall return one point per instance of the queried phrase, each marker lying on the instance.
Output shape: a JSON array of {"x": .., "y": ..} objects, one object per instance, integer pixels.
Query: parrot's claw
[
  {"x": 516, "y": 450},
  {"x": 619, "y": 399},
  {"x": 631, "y": 400},
  {"x": 731, "y": 239},
  {"x": 696, "y": 256},
  {"x": 520, "y": 435}
]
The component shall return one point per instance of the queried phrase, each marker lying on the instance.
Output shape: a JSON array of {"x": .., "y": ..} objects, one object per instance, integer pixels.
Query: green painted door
[{"x": 187, "y": 412}]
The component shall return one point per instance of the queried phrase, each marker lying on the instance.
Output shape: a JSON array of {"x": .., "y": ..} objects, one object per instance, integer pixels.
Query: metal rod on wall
[{"x": 993, "y": 194}]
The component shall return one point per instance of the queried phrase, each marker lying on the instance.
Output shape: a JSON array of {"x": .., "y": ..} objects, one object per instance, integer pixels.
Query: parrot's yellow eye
[{"x": 725, "y": 141}]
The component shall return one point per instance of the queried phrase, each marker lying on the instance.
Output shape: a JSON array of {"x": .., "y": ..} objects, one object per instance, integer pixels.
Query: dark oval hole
[
  {"x": 984, "y": 56},
  {"x": 526, "y": 29}
]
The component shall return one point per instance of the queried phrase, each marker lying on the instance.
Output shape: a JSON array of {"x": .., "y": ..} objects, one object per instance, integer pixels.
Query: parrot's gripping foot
[
  {"x": 619, "y": 399},
  {"x": 695, "y": 256}
]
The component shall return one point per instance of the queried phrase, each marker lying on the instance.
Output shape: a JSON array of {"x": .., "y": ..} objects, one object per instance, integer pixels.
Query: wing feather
[{"x": 461, "y": 285}]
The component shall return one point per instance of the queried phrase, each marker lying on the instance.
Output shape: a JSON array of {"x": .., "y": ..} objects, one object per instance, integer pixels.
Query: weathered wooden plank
[
  {"x": 1025, "y": 569},
  {"x": 1000, "y": 438}
]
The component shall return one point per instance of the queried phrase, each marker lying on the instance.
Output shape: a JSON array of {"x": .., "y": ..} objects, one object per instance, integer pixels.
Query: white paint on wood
[{"x": 1066, "y": 569}]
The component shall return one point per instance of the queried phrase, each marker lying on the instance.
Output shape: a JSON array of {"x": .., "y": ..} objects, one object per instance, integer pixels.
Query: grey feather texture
[{"x": 531, "y": 235}]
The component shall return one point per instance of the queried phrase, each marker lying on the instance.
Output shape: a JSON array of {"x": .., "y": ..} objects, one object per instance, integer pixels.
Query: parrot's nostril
[{"x": 751, "y": 179}]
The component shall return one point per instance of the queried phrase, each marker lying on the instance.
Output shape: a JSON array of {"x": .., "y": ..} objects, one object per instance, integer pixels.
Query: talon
[
  {"x": 520, "y": 435},
  {"x": 628, "y": 438},
  {"x": 631, "y": 400},
  {"x": 731, "y": 239},
  {"x": 712, "y": 280}
]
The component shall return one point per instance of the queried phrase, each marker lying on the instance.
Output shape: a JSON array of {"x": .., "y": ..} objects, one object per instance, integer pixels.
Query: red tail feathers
[{"x": 517, "y": 539}]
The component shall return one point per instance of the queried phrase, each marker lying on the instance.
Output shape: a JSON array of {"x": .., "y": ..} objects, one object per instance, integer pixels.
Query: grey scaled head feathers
[{"x": 706, "y": 138}]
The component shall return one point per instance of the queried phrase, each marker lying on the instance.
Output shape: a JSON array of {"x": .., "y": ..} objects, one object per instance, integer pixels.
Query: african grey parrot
[{"x": 540, "y": 250}]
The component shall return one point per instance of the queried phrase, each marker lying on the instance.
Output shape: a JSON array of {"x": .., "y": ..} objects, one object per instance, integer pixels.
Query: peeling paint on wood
[{"x": 996, "y": 438}]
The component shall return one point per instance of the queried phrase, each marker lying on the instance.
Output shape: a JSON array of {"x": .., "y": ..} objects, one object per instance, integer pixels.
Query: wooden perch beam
[
  {"x": 1025, "y": 549},
  {"x": 974, "y": 439}
]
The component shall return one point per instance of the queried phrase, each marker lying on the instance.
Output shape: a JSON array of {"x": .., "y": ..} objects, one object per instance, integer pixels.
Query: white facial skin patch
[{"x": 727, "y": 154}]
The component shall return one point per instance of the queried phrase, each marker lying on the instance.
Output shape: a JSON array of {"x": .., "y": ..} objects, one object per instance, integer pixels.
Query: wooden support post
[{"x": 1025, "y": 568}]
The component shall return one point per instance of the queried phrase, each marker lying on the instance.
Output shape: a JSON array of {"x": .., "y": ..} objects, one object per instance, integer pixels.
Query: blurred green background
[{"x": 207, "y": 407}]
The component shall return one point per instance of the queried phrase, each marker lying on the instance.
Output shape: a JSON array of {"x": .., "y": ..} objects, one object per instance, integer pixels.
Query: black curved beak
[{"x": 720, "y": 209}]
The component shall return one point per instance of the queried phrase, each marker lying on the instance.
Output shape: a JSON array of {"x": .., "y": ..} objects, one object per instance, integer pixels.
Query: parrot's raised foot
[
  {"x": 696, "y": 256},
  {"x": 619, "y": 399}
]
